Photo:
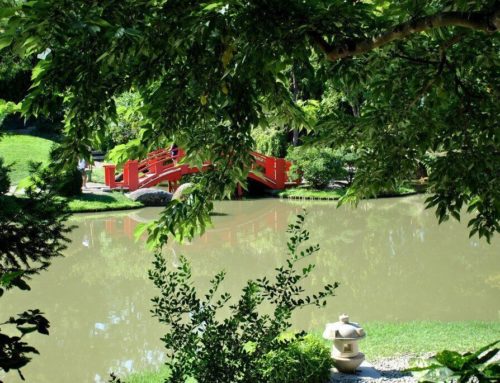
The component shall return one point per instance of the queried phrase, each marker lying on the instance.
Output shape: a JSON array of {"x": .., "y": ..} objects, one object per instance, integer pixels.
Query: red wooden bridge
[{"x": 161, "y": 166}]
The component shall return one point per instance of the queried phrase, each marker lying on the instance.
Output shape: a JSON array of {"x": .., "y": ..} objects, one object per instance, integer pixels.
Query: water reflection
[{"x": 392, "y": 259}]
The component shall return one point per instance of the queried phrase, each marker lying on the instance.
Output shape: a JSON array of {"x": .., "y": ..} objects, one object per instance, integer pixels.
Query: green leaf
[
  {"x": 451, "y": 359},
  {"x": 5, "y": 41},
  {"x": 213, "y": 6},
  {"x": 101, "y": 23},
  {"x": 7, "y": 12},
  {"x": 7, "y": 278},
  {"x": 250, "y": 347}
]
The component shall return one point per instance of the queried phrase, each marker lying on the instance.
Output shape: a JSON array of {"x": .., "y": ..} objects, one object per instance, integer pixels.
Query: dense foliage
[
  {"x": 64, "y": 181},
  {"x": 305, "y": 360},
  {"x": 214, "y": 340},
  {"x": 271, "y": 141},
  {"x": 416, "y": 77},
  {"x": 32, "y": 233},
  {"x": 450, "y": 366},
  {"x": 318, "y": 166},
  {"x": 128, "y": 122}
]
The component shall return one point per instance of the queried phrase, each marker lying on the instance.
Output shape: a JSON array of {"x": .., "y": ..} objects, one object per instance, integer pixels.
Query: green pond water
[{"x": 392, "y": 259}]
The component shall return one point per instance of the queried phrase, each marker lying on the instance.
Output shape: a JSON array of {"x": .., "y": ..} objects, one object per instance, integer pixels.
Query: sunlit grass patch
[
  {"x": 88, "y": 202},
  {"x": 20, "y": 149}
]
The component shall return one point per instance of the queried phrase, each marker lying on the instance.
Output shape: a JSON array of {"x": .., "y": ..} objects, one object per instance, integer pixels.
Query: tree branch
[{"x": 488, "y": 22}]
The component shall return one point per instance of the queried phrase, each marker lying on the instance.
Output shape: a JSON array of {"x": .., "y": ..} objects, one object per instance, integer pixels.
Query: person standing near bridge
[
  {"x": 174, "y": 152},
  {"x": 82, "y": 168}
]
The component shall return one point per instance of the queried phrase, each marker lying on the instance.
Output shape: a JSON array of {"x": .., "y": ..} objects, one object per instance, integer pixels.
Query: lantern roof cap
[{"x": 343, "y": 330}]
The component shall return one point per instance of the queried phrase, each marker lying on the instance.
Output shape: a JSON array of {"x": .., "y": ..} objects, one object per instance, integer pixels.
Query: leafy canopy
[{"x": 419, "y": 76}]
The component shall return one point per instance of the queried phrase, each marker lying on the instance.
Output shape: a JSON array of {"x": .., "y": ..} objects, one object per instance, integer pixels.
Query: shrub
[
  {"x": 207, "y": 346},
  {"x": 318, "y": 166},
  {"x": 69, "y": 183},
  {"x": 4, "y": 177},
  {"x": 66, "y": 182},
  {"x": 303, "y": 360}
]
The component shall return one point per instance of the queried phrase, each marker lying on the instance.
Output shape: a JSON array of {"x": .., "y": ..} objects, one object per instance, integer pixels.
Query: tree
[{"x": 421, "y": 77}]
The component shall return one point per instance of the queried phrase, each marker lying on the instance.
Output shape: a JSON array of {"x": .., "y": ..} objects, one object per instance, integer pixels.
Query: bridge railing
[
  {"x": 272, "y": 171},
  {"x": 275, "y": 169}
]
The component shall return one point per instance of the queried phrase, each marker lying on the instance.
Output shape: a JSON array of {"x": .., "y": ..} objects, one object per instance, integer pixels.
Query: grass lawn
[
  {"x": 390, "y": 339},
  {"x": 332, "y": 194},
  {"x": 101, "y": 202},
  {"x": 393, "y": 339},
  {"x": 21, "y": 149},
  {"x": 97, "y": 175},
  {"x": 303, "y": 192},
  {"x": 154, "y": 376}
]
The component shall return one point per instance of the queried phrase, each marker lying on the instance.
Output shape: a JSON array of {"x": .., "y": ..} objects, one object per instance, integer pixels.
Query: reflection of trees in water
[
  {"x": 388, "y": 254},
  {"x": 402, "y": 265}
]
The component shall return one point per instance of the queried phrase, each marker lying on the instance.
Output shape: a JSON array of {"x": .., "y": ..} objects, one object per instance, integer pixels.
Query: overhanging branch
[{"x": 480, "y": 21}]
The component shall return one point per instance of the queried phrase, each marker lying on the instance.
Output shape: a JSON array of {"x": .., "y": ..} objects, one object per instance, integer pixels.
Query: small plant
[
  {"x": 318, "y": 166},
  {"x": 305, "y": 359},
  {"x": 451, "y": 366},
  {"x": 206, "y": 346}
]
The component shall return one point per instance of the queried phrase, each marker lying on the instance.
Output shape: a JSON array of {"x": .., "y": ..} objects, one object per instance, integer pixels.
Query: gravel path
[{"x": 390, "y": 370}]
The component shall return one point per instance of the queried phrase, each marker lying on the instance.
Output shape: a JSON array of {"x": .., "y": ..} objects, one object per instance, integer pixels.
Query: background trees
[{"x": 416, "y": 77}]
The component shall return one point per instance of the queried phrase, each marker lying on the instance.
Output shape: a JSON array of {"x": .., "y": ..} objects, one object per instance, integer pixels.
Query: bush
[
  {"x": 206, "y": 346},
  {"x": 69, "y": 183},
  {"x": 318, "y": 166},
  {"x": 4, "y": 177},
  {"x": 303, "y": 360},
  {"x": 66, "y": 182}
]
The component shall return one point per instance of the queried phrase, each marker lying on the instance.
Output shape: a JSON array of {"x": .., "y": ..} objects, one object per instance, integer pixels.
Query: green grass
[
  {"x": 20, "y": 150},
  {"x": 97, "y": 175},
  {"x": 157, "y": 376},
  {"x": 333, "y": 194},
  {"x": 301, "y": 192},
  {"x": 390, "y": 339},
  {"x": 101, "y": 202}
]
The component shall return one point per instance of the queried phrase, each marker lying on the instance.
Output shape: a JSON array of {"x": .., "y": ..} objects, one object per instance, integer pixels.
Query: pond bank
[
  {"x": 89, "y": 202},
  {"x": 304, "y": 193},
  {"x": 94, "y": 199}
]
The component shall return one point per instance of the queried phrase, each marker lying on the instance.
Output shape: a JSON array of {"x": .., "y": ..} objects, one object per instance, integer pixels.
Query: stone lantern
[{"x": 345, "y": 336}]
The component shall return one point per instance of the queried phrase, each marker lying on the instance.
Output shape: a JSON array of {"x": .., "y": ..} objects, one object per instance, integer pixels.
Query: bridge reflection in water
[{"x": 393, "y": 261}]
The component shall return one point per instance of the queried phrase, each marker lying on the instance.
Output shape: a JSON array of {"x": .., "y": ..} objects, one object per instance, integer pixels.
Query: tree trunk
[{"x": 295, "y": 96}]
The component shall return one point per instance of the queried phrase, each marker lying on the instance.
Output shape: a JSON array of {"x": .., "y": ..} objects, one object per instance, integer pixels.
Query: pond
[{"x": 392, "y": 259}]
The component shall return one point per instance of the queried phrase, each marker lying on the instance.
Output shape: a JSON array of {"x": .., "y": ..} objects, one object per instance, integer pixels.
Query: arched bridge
[{"x": 160, "y": 166}]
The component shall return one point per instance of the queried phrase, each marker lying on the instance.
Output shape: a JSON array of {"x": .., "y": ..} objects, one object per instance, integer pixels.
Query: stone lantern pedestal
[{"x": 345, "y": 351}]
